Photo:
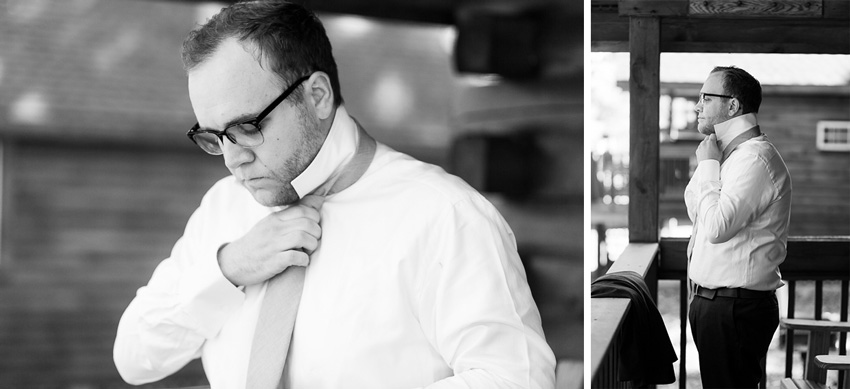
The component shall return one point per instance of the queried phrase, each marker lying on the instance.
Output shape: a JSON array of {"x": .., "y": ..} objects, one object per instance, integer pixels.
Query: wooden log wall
[
  {"x": 821, "y": 179},
  {"x": 84, "y": 228}
]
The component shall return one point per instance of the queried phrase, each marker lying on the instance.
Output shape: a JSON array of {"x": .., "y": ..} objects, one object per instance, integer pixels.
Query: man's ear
[
  {"x": 319, "y": 93},
  {"x": 734, "y": 107}
]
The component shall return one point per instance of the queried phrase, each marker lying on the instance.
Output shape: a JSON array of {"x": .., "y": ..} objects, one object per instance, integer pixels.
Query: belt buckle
[{"x": 708, "y": 293}]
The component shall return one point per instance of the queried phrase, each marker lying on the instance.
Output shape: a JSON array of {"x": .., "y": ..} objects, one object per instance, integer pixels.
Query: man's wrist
[{"x": 220, "y": 258}]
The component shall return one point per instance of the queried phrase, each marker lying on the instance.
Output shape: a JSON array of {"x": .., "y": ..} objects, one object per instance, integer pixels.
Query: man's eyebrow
[{"x": 239, "y": 119}]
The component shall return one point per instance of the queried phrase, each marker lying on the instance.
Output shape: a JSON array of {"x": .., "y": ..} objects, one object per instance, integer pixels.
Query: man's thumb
[{"x": 313, "y": 201}]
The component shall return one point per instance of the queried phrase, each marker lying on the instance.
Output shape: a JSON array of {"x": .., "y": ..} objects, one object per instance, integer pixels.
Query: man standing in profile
[{"x": 739, "y": 200}]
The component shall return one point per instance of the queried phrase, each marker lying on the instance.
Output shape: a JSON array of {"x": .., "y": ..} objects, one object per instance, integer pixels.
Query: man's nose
[
  {"x": 234, "y": 154},
  {"x": 698, "y": 106}
]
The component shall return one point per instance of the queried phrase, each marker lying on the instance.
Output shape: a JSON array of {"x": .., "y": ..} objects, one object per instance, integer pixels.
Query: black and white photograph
[{"x": 718, "y": 252}]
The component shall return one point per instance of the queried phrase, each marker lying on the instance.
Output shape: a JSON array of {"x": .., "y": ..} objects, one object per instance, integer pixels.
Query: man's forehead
[
  {"x": 227, "y": 68},
  {"x": 713, "y": 84},
  {"x": 227, "y": 84}
]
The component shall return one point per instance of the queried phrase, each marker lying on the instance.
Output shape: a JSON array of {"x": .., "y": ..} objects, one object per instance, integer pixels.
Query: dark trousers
[{"x": 732, "y": 336}]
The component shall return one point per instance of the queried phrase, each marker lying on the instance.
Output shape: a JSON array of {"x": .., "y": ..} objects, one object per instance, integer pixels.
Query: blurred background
[{"x": 98, "y": 178}]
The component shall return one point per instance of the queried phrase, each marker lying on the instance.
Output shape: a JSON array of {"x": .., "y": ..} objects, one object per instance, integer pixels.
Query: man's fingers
[
  {"x": 307, "y": 207},
  {"x": 302, "y": 224},
  {"x": 291, "y": 258},
  {"x": 298, "y": 240},
  {"x": 299, "y": 211},
  {"x": 313, "y": 201},
  {"x": 712, "y": 138}
]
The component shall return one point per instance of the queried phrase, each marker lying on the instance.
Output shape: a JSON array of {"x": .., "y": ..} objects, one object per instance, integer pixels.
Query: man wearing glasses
[
  {"x": 326, "y": 260},
  {"x": 739, "y": 199}
]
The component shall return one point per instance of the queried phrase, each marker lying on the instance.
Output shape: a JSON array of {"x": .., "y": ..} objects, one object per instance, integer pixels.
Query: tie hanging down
[{"x": 279, "y": 309}]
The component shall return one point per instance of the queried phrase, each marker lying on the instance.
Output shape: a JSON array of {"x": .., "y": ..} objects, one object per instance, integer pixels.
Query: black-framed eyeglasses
[
  {"x": 702, "y": 96},
  {"x": 246, "y": 133}
]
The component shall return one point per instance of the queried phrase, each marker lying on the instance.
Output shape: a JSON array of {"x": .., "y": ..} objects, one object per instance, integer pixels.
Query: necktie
[
  {"x": 745, "y": 136},
  {"x": 283, "y": 294}
]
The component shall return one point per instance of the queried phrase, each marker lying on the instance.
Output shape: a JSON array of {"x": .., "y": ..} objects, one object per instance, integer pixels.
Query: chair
[{"x": 818, "y": 360}]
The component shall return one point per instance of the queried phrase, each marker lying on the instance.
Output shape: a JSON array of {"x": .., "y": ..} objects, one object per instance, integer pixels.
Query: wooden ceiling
[{"x": 728, "y": 26}]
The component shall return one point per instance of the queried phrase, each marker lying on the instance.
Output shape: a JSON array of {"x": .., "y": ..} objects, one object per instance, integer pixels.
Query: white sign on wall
[{"x": 833, "y": 135}]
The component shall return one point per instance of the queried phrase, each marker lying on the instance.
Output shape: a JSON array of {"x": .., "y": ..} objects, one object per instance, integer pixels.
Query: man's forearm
[
  {"x": 149, "y": 346},
  {"x": 168, "y": 321}
]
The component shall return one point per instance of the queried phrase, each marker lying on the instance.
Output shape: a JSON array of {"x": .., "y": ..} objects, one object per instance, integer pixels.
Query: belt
[{"x": 740, "y": 293}]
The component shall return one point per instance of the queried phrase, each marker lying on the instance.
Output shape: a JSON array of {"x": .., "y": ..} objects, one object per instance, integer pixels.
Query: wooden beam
[
  {"x": 652, "y": 7},
  {"x": 644, "y": 85},
  {"x": 831, "y": 9},
  {"x": 725, "y": 34},
  {"x": 640, "y": 258},
  {"x": 756, "y": 8},
  {"x": 831, "y": 254},
  {"x": 679, "y": 34},
  {"x": 836, "y": 9},
  {"x": 606, "y": 317},
  {"x": 833, "y": 362},
  {"x": 816, "y": 325}
]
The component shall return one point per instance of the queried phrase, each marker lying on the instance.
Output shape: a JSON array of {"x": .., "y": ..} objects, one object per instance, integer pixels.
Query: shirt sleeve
[
  {"x": 479, "y": 307},
  {"x": 729, "y": 204},
  {"x": 186, "y": 301},
  {"x": 692, "y": 194}
]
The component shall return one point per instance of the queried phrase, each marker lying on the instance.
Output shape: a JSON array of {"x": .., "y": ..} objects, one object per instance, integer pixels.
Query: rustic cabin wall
[
  {"x": 821, "y": 179},
  {"x": 83, "y": 228}
]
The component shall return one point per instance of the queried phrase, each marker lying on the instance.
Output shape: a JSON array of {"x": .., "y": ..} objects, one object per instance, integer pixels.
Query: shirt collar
[
  {"x": 340, "y": 145},
  {"x": 728, "y": 130}
]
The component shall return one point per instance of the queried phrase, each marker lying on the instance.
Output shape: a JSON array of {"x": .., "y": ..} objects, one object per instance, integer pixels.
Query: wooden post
[{"x": 644, "y": 85}]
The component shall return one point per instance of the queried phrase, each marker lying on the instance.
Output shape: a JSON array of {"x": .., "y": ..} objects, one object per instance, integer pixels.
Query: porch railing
[
  {"x": 607, "y": 314},
  {"x": 815, "y": 259}
]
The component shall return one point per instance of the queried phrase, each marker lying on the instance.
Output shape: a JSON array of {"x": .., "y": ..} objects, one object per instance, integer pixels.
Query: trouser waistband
[{"x": 741, "y": 293}]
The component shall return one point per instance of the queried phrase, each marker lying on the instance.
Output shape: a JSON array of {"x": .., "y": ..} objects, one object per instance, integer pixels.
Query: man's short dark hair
[
  {"x": 743, "y": 86},
  {"x": 289, "y": 38}
]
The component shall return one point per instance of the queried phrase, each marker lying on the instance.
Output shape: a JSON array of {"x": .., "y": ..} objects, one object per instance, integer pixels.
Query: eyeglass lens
[{"x": 246, "y": 135}]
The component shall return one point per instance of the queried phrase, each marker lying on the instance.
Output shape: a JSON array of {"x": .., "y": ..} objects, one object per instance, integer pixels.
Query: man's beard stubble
[{"x": 311, "y": 142}]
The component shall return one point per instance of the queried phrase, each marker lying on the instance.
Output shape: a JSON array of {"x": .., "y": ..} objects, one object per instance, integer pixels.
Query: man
[
  {"x": 412, "y": 278},
  {"x": 740, "y": 201}
]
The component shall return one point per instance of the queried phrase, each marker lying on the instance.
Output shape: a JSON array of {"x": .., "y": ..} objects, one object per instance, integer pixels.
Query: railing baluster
[
  {"x": 818, "y": 299},
  {"x": 818, "y": 313},
  {"x": 763, "y": 382},
  {"x": 842, "y": 338},
  {"x": 789, "y": 333},
  {"x": 608, "y": 376},
  {"x": 683, "y": 338}
]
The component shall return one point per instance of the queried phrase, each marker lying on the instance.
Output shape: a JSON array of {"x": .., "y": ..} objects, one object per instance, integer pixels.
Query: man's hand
[
  {"x": 708, "y": 149},
  {"x": 279, "y": 240}
]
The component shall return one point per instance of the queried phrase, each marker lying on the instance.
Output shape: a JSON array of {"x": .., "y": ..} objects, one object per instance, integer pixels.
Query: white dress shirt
[
  {"x": 416, "y": 283},
  {"x": 742, "y": 208}
]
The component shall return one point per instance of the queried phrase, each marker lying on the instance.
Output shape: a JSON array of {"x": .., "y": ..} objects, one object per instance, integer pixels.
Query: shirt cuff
[
  {"x": 709, "y": 170},
  {"x": 209, "y": 298}
]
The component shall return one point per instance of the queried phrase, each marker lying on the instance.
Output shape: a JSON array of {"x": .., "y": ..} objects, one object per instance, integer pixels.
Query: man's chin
[{"x": 272, "y": 198}]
